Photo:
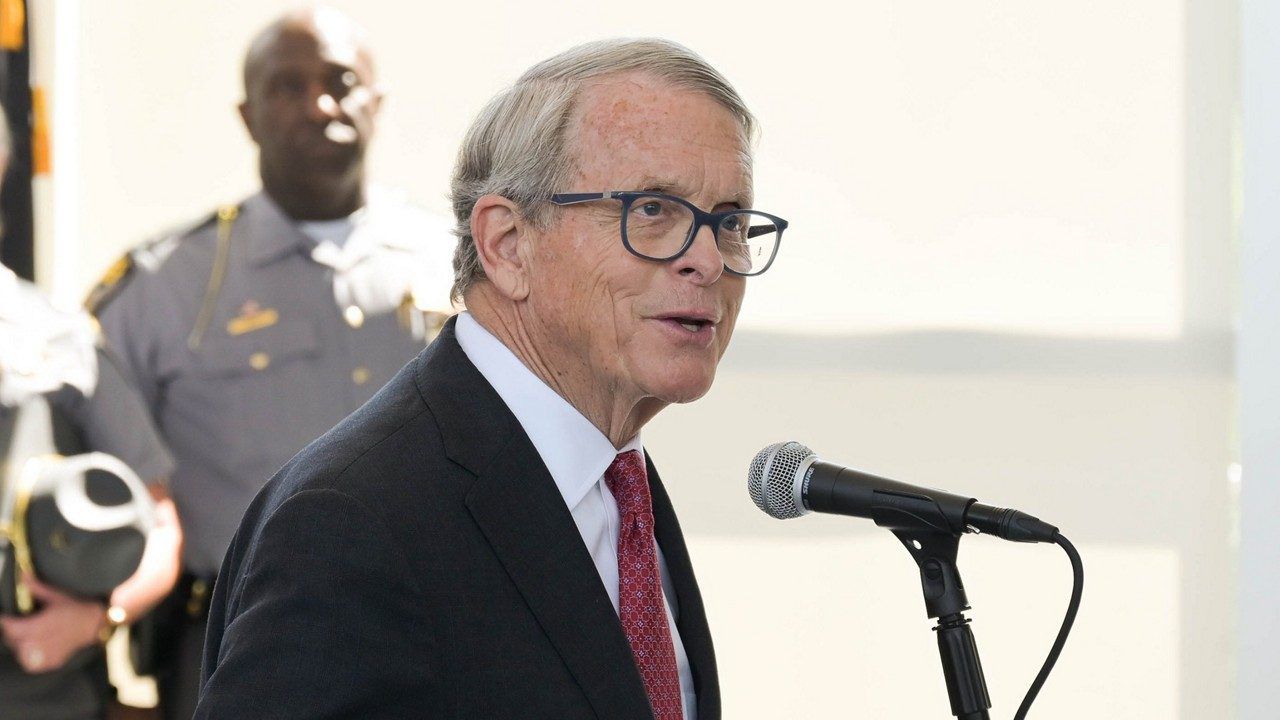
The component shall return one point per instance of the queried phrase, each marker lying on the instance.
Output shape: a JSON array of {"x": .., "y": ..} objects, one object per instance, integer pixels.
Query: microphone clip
[
  {"x": 936, "y": 553},
  {"x": 945, "y": 599}
]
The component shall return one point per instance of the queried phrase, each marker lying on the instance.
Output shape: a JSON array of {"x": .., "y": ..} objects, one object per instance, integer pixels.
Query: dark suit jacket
[{"x": 418, "y": 561}]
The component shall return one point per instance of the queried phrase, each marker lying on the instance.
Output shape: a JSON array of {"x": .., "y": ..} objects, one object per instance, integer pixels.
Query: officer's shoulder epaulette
[
  {"x": 147, "y": 255},
  {"x": 109, "y": 285}
]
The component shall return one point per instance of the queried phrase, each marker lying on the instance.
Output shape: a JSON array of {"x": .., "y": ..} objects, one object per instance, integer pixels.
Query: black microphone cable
[{"x": 1077, "y": 589}]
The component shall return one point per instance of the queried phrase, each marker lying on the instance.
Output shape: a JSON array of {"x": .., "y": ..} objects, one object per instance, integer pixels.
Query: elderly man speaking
[{"x": 486, "y": 537}]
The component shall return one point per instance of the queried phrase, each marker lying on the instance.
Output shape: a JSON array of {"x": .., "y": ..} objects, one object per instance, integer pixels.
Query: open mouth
[
  {"x": 340, "y": 133},
  {"x": 691, "y": 324},
  {"x": 694, "y": 324}
]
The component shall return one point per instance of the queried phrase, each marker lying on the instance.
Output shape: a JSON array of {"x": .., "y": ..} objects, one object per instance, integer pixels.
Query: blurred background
[{"x": 1014, "y": 270}]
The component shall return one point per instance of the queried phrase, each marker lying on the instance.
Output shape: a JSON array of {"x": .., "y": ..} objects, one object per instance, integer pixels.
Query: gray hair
[{"x": 517, "y": 148}]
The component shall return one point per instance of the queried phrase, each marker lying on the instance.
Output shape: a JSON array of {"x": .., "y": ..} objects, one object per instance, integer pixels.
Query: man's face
[
  {"x": 639, "y": 328},
  {"x": 310, "y": 103}
]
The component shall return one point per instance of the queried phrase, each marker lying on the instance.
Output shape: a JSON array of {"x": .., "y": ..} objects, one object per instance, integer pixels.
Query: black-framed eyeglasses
[{"x": 662, "y": 227}]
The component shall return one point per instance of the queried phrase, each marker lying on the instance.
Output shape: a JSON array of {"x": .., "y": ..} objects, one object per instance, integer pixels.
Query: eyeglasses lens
[{"x": 658, "y": 227}]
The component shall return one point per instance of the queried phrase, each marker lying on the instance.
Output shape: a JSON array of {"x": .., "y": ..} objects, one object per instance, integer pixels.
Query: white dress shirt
[{"x": 576, "y": 454}]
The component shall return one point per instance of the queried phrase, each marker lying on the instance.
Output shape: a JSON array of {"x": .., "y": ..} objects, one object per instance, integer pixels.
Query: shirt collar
[
  {"x": 334, "y": 231},
  {"x": 575, "y": 452},
  {"x": 381, "y": 222},
  {"x": 272, "y": 234}
]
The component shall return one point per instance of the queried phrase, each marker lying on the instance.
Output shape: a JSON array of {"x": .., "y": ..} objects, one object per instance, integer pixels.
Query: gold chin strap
[
  {"x": 18, "y": 534},
  {"x": 226, "y": 218}
]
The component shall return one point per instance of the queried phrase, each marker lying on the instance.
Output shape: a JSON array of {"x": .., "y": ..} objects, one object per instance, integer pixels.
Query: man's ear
[
  {"x": 243, "y": 109},
  {"x": 502, "y": 245},
  {"x": 379, "y": 92}
]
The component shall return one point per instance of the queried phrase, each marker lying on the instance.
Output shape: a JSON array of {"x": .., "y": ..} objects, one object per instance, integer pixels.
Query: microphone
[{"x": 788, "y": 480}]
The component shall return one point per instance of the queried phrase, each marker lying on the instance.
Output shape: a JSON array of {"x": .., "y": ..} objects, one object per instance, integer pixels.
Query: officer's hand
[{"x": 46, "y": 640}]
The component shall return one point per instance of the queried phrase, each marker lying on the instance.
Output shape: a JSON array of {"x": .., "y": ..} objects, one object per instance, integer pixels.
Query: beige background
[{"x": 1009, "y": 273}]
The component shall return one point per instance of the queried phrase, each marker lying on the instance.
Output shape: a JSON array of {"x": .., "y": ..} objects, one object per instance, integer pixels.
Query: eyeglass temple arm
[{"x": 573, "y": 198}]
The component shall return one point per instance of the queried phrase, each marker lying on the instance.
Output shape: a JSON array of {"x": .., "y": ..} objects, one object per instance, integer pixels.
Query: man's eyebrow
[
  {"x": 668, "y": 187},
  {"x": 742, "y": 198}
]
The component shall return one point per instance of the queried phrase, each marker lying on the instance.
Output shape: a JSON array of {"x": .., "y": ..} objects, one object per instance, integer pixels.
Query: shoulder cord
[
  {"x": 226, "y": 218},
  {"x": 21, "y": 542}
]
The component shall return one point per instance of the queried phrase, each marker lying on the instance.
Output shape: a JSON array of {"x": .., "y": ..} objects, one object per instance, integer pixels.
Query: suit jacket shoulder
[
  {"x": 317, "y": 584},
  {"x": 418, "y": 561}
]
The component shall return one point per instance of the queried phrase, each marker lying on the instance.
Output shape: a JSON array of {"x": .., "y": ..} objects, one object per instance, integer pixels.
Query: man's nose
[{"x": 702, "y": 262}]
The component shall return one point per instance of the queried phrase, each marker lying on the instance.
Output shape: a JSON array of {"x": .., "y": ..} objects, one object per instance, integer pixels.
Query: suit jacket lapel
[
  {"x": 692, "y": 618},
  {"x": 516, "y": 505}
]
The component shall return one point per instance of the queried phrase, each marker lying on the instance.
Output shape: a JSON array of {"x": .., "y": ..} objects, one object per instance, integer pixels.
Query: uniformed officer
[
  {"x": 257, "y": 329},
  {"x": 51, "y": 661}
]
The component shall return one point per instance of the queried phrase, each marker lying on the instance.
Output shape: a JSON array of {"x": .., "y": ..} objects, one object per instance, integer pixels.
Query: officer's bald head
[
  {"x": 330, "y": 30},
  {"x": 310, "y": 100}
]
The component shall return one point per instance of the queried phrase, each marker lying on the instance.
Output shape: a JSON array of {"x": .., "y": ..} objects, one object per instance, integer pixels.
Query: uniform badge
[{"x": 252, "y": 317}]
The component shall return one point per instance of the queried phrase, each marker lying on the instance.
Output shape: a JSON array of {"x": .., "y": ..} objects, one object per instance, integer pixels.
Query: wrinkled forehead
[{"x": 638, "y": 132}]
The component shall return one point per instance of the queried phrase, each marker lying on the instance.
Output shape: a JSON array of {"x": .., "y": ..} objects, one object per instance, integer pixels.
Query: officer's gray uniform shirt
[
  {"x": 302, "y": 333},
  {"x": 45, "y": 352}
]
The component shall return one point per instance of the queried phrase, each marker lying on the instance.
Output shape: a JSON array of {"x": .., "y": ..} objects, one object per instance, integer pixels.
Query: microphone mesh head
[{"x": 772, "y": 479}]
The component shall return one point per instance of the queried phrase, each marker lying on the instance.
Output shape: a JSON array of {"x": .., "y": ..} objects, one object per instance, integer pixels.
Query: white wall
[
  {"x": 939, "y": 161},
  {"x": 1259, "y": 656},
  {"x": 1008, "y": 273}
]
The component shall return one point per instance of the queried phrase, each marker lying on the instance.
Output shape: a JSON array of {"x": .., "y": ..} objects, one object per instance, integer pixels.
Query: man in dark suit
[{"x": 486, "y": 537}]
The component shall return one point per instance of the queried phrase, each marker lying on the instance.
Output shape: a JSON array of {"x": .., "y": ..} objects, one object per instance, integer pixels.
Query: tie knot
[{"x": 629, "y": 483}]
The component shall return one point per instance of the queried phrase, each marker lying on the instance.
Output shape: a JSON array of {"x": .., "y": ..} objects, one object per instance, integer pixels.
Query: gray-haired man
[{"x": 485, "y": 538}]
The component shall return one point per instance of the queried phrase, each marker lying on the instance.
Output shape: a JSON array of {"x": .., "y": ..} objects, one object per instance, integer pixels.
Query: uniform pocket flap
[{"x": 258, "y": 350}]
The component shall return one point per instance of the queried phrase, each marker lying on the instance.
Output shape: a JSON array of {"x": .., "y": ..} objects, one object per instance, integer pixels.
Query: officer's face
[
  {"x": 310, "y": 103},
  {"x": 653, "y": 331}
]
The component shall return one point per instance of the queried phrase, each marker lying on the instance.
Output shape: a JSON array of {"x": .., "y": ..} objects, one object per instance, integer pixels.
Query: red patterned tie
[{"x": 640, "y": 601}]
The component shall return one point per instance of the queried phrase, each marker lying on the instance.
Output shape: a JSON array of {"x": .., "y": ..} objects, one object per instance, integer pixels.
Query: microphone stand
[{"x": 944, "y": 599}]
